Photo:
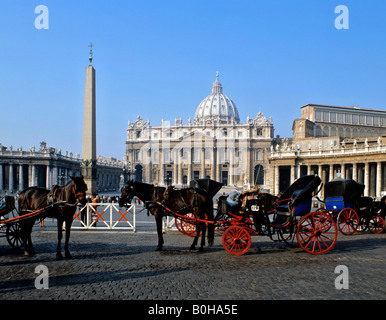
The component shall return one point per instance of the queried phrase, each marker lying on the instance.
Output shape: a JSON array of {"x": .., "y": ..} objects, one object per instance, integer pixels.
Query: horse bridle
[{"x": 77, "y": 194}]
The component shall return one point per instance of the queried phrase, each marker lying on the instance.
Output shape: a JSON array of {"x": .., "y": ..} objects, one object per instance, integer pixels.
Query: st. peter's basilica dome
[{"x": 216, "y": 108}]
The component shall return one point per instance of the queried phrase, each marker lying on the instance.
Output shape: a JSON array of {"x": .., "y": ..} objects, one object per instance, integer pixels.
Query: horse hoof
[
  {"x": 59, "y": 256},
  {"x": 158, "y": 249},
  {"x": 68, "y": 255},
  {"x": 192, "y": 248},
  {"x": 201, "y": 249}
]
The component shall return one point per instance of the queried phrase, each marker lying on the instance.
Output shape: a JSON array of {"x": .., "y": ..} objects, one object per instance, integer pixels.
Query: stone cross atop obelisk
[{"x": 89, "y": 158}]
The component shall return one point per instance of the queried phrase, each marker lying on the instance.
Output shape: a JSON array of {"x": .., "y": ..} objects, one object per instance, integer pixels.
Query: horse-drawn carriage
[
  {"x": 10, "y": 222},
  {"x": 315, "y": 232},
  {"x": 351, "y": 211},
  {"x": 288, "y": 218},
  {"x": 36, "y": 203}
]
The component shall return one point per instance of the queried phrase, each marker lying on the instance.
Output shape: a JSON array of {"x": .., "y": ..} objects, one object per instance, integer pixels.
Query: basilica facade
[{"x": 214, "y": 144}]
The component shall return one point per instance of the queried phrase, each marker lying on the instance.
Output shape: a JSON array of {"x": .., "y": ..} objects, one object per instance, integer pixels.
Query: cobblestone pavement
[{"x": 123, "y": 265}]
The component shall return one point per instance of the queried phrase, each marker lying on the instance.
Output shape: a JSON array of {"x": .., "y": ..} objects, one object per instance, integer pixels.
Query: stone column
[
  {"x": 175, "y": 167},
  {"x": 292, "y": 174},
  {"x": 11, "y": 183},
  {"x": 367, "y": 179},
  {"x": 276, "y": 179},
  {"x": 48, "y": 177},
  {"x": 55, "y": 179},
  {"x": 217, "y": 164},
  {"x": 331, "y": 172},
  {"x": 212, "y": 164},
  {"x": 190, "y": 164},
  {"x": 21, "y": 178},
  {"x": 231, "y": 163},
  {"x": 379, "y": 180},
  {"x": 354, "y": 171},
  {"x": 33, "y": 173},
  {"x": 202, "y": 163},
  {"x": 179, "y": 174}
]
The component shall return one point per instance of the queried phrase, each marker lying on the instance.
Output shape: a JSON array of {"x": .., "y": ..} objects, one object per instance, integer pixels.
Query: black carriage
[
  {"x": 292, "y": 220},
  {"x": 344, "y": 202}
]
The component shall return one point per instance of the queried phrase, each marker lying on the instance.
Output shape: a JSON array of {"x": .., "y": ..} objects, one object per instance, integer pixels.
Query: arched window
[
  {"x": 347, "y": 133},
  {"x": 318, "y": 131},
  {"x": 340, "y": 132}
]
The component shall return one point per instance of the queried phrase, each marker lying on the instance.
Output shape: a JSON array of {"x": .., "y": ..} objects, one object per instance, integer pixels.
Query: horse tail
[{"x": 211, "y": 226}]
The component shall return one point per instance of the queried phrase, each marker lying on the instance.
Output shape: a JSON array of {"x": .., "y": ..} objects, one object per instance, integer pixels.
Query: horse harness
[{"x": 165, "y": 197}]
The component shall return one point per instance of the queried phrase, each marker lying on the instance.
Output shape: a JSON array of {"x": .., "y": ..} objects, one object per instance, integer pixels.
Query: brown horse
[
  {"x": 160, "y": 200},
  {"x": 61, "y": 205}
]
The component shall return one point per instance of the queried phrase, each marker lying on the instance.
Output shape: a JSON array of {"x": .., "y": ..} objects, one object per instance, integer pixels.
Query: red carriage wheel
[
  {"x": 317, "y": 233},
  {"x": 236, "y": 240},
  {"x": 376, "y": 224},
  {"x": 186, "y": 227},
  {"x": 348, "y": 221}
]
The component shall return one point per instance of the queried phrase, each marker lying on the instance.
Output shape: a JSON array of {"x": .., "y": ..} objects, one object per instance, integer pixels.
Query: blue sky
[{"x": 158, "y": 59}]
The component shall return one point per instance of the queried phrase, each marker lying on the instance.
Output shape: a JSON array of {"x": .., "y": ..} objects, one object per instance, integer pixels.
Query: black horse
[
  {"x": 159, "y": 200},
  {"x": 60, "y": 203}
]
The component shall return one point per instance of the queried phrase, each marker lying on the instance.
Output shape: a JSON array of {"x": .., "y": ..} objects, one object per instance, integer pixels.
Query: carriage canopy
[
  {"x": 349, "y": 189},
  {"x": 210, "y": 186},
  {"x": 301, "y": 190}
]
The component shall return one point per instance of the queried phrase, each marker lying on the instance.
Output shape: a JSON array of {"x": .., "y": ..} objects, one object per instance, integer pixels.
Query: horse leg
[
  {"x": 68, "y": 229},
  {"x": 31, "y": 249},
  {"x": 60, "y": 235},
  {"x": 193, "y": 246},
  {"x": 203, "y": 228},
  {"x": 158, "y": 220},
  {"x": 195, "y": 241},
  {"x": 26, "y": 230}
]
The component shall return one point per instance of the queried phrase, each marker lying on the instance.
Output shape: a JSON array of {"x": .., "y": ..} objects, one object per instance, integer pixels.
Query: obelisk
[{"x": 89, "y": 160}]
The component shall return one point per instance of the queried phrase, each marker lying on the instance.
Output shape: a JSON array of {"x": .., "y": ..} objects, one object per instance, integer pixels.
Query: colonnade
[
  {"x": 371, "y": 173},
  {"x": 18, "y": 176}
]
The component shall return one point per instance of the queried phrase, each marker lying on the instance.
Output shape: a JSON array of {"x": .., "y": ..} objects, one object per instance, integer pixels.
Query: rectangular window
[
  {"x": 347, "y": 118},
  {"x": 340, "y": 117},
  {"x": 362, "y": 119},
  {"x": 369, "y": 120},
  {"x": 376, "y": 120},
  {"x": 354, "y": 118},
  {"x": 318, "y": 115},
  {"x": 333, "y": 116},
  {"x": 326, "y": 116}
]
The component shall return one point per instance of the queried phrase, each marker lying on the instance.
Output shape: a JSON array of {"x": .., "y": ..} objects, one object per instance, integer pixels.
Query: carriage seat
[{"x": 7, "y": 205}]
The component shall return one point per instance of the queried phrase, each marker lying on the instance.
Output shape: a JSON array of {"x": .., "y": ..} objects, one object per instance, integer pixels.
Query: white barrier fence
[{"x": 105, "y": 216}]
